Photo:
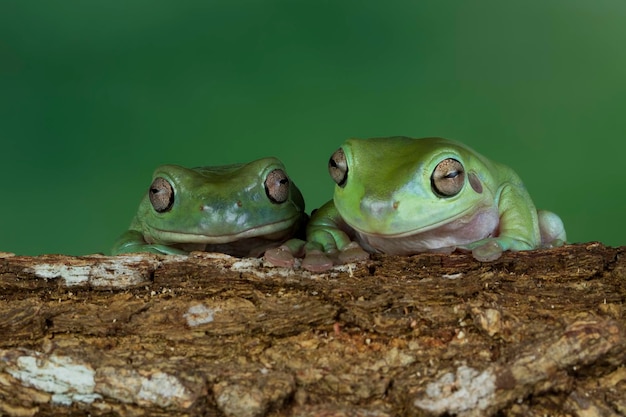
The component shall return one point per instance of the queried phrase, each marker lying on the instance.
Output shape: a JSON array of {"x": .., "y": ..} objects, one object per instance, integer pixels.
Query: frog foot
[
  {"x": 352, "y": 252},
  {"x": 552, "y": 244},
  {"x": 317, "y": 260},
  {"x": 488, "y": 251},
  {"x": 280, "y": 256},
  {"x": 285, "y": 255}
]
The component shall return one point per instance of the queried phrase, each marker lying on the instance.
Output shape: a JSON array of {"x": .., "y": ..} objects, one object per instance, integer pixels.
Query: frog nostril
[{"x": 395, "y": 205}]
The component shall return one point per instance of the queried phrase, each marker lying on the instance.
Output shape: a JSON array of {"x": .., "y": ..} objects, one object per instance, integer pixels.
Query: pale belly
[{"x": 446, "y": 238}]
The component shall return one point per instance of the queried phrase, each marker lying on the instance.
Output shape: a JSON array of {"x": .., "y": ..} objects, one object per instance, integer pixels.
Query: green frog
[
  {"x": 239, "y": 209},
  {"x": 402, "y": 196}
]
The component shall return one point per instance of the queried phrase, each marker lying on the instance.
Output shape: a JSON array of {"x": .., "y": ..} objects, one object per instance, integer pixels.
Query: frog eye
[
  {"x": 338, "y": 167},
  {"x": 161, "y": 195},
  {"x": 277, "y": 186},
  {"x": 448, "y": 177}
]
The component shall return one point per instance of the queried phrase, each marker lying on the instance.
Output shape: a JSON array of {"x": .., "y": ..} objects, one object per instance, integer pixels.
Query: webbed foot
[
  {"x": 489, "y": 250},
  {"x": 352, "y": 252},
  {"x": 317, "y": 260},
  {"x": 280, "y": 256},
  {"x": 285, "y": 255}
]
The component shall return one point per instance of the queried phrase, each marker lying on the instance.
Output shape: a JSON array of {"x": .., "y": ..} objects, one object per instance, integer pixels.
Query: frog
[
  {"x": 403, "y": 196},
  {"x": 238, "y": 209}
]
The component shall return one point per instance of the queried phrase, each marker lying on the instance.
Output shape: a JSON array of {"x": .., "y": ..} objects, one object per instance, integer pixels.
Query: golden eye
[
  {"x": 277, "y": 186},
  {"x": 338, "y": 167},
  {"x": 161, "y": 195},
  {"x": 448, "y": 178}
]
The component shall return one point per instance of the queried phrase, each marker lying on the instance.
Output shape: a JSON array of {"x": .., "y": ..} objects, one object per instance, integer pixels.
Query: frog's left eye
[
  {"x": 161, "y": 195},
  {"x": 338, "y": 167},
  {"x": 277, "y": 186},
  {"x": 448, "y": 177}
]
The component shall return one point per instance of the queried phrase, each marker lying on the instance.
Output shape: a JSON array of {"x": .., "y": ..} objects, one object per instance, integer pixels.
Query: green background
[{"x": 95, "y": 94}]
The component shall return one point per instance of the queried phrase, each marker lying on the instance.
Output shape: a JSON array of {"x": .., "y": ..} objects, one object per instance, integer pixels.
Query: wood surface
[{"x": 538, "y": 333}]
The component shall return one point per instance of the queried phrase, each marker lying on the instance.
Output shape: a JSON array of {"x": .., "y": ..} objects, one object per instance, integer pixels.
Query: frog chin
[
  {"x": 379, "y": 232},
  {"x": 272, "y": 231},
  {"x": 446, "y": 234}
]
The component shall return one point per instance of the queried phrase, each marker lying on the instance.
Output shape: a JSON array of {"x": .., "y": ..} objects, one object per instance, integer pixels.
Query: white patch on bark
[
  {"x": 199, "y": 314},
  {"x": 66, "y": 379},
  {"x": 467, "y": 390},
  {"x": 118, "y": 271}
]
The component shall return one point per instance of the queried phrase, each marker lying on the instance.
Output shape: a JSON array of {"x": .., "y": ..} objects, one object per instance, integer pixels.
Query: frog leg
[
  {"x": 328, "y": 241},
  {"x": 132, "y": 241},
  {"x": 518, "y": 227},
  {"x": 551, "y": 228},
  {"x": 315, "y": 259}
]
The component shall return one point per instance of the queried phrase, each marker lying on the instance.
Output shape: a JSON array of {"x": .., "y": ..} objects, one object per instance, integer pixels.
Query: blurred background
[{"x": 94, "y": 95}]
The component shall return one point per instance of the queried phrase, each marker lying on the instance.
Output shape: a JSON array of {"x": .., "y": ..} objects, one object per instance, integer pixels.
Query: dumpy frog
[
  {"x": 240, "y": 209},
  {"x": 402, "y": 196}
]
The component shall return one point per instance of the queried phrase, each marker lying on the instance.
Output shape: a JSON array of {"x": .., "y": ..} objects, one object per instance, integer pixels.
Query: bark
[{"x": 531, "y": 334}]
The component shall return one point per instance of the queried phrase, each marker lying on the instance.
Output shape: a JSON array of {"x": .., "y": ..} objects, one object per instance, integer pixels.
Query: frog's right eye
[
  {"x": 161, "y": 195},
  {"x": 277, "y": 186},
  {"x": 338, "y": 167}
]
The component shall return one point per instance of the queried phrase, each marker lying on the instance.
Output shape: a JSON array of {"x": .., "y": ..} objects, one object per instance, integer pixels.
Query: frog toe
[
  {"x": 317, "y": 261},
  {"x": 352, "y": 252},
  {"x": 488, "y": 251},
  {"x": 552, "y": 244},
  {"x": 280, "y": 256},
  {"x": 164, "y": 250}
]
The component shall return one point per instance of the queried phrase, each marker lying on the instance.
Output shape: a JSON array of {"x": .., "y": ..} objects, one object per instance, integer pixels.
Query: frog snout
[{"x": 379, "y": 208}]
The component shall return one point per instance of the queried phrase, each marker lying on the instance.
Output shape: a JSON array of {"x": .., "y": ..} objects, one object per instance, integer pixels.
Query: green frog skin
[
  {"x": 402, "y": 196},
  {"x": 240, "y": 209}
]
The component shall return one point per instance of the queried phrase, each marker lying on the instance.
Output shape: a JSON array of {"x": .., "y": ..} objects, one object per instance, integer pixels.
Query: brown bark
[{"x": 533, "y": 333}]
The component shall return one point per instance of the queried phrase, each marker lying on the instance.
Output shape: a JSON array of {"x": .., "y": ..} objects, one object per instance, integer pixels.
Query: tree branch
[{"x": 532, "y": 333}]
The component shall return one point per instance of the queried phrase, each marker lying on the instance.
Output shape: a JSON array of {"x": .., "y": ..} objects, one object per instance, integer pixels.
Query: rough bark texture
[{"x": 532, "y": 334}]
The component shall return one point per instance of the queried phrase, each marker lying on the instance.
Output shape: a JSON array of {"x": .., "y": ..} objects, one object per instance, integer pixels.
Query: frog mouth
[
  {"x": 418, "y": 230},
  {"x": 271, "y": 231}
]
